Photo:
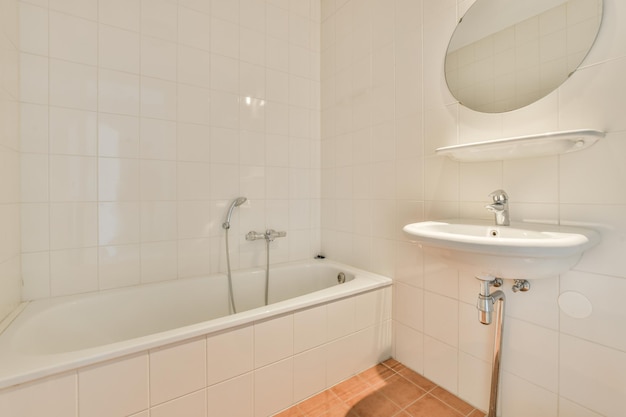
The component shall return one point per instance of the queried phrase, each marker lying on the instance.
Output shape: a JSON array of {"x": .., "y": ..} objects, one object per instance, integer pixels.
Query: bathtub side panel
[
  {"x": 54, "y": 396},
  {"x": 230, "y": 354},
  {"x": 117, "y": 388},
  {"x": 177, "y": 370},
  {"x": 312, "y": 342},
  {"x": 230, "y": 375}
]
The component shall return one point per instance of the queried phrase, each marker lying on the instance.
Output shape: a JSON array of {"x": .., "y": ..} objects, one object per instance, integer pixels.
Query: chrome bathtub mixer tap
[{"x": 269, "y": 236}]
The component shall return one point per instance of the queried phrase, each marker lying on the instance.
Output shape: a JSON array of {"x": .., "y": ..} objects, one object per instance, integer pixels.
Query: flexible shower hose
[
  {"x": 230, "y": 279},
  {"x": 267, "y": 270}
]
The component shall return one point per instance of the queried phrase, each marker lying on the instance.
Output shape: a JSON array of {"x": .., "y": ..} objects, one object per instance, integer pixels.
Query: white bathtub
[{"x": 64, "y": 334}]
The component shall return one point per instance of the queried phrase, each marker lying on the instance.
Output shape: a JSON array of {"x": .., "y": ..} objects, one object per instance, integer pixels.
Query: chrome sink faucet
[{"x": 500, "y": 207}]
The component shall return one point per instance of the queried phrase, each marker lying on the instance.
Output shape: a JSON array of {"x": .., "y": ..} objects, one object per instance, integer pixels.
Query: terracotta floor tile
[
  {"x": 377, "y": 375},
  {"x": 401, "y": 391},
  {"x": 360, "y": 396},
  {"x": 452, "y": 400},
  {"x": 429, "y": 406},
  {"x": 422, "y": 382},
  {"x": 341, "y": 410},
  {"x": 319, "y": 404},
  {"x": 350, "y": 388},
  {"x": 392, "y": 363},
  {"x": 375, "y": 405},
  {"x": 389, "y": 389}
]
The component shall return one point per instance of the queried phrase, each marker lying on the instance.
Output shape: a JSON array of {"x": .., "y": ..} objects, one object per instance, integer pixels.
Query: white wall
[
  {"x": 10, "y": 284},
  {"x": 143, "y": 119},
  {"x": 385, "y": 109},
  {"x": 131, "y": 113}
]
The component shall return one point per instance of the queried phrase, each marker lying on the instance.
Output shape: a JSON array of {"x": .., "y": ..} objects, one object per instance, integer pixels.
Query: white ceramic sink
[{"x": 520, "y": 251}]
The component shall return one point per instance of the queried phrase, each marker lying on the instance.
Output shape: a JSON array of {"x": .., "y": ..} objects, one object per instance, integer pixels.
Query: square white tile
[
  {"x": 125, "y": 379},
  {"x": 177, "y": 370}
]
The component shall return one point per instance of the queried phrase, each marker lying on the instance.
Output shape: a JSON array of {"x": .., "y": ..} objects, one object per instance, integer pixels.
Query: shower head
[{"x": 236, "y": 203}]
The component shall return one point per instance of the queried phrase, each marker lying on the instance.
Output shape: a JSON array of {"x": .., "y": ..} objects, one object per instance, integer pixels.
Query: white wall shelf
[{"x": 544, "y": 144}]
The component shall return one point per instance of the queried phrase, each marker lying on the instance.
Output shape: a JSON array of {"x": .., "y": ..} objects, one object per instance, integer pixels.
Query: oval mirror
[{"x": 506, "y": 54}]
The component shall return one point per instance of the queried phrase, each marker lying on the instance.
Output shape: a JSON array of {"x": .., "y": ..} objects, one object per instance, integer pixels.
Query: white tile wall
[
  {"x": 382, "y": 73},
  {"x": 273, "y": 340},
  {"x": 177, "y": 370},
  {"x": 56, "y": 396},
  {"x": 114, "y": 389},
  {"x": 164, "y": 97},
  {"x": 231, "y": 373},
  {"x": 10, "y": 269},
  {"x": 192, "y": 405},
  {"x": 309, "y": 372},
  {"x": 142, "y": 119},
  {"x": 273, "y": 387},
  {"x": 233, "y": 397}
]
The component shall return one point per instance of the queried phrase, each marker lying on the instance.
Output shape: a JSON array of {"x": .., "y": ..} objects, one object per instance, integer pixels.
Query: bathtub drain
[{"x": 341, "y": 278}]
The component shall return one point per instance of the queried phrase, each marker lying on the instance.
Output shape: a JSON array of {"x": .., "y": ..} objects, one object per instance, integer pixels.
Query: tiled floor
[{"x": 387, "y": 390}]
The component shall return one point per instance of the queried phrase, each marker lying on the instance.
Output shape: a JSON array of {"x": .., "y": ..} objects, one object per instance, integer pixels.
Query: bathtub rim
[{"x": 18, "y": 368}]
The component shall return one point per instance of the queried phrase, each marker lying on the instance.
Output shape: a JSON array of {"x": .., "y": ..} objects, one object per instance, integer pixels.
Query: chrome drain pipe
[
  {"x": 486, "y": 301},
  {"x": 489, "y": 303},
  {"x": 498, "y": 297}
]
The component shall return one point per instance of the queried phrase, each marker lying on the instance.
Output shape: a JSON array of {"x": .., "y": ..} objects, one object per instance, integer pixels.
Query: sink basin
[{"x": 519, "y": 251}]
